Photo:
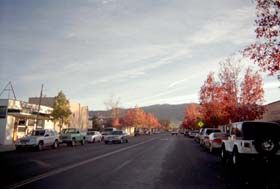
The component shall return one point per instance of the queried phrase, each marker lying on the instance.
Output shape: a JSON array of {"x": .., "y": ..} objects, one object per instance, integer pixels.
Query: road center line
[{"x": 66, "y": 168}]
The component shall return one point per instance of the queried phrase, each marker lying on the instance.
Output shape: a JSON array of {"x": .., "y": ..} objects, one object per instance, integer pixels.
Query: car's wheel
[
  {"x": 40, "y": 146},
  {"x": 73, "y": 142},
  {"x": 83, "y": 141},
  {"x": 55, "y": 144},
  {"x": 93, "y": 140},
  {"x": 223, "y": 155},
  {"x": 126, "y": 141},
  {"x": 106, "y": 142}
]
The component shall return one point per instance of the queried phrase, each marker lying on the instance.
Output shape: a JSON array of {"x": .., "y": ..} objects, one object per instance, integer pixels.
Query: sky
[{"x": 142, "y": 52}]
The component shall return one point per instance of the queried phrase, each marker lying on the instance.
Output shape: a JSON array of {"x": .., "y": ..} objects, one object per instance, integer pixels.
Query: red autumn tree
[
  {"x": 192, "y": 116},
  {"x": 266, "y": 50},
  {"x": 251, "y": 98},
  {"x": 116, "y": 122},
  {"x": 228, "y": 100},
  {"x": 212, "y": 108},
  {"x": 151, "y": 121},
  {"x": 135, "y": 117},
  {"x": 229, "y": 88}
]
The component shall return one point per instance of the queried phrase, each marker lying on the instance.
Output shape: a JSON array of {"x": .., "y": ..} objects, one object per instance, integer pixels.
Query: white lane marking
[
  {"x": 121, "y": 166},
  {"x": 66, "y": 168}
]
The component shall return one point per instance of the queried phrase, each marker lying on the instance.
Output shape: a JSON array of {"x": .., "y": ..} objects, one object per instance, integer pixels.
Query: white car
[
  {"x": 117, "y": 136},
  {"x": 93, "y": 136},
  {"x": 39, "y": 139},
  {"x": 204, "y": 137},
  {"x": 251, "y": 140},
  {"x": 215, "y": 141}
]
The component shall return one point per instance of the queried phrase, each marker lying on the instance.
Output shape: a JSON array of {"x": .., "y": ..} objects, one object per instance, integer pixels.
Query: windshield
[
  {"x": 38, "y": 133},
  {"x": 90, "y": 133}
]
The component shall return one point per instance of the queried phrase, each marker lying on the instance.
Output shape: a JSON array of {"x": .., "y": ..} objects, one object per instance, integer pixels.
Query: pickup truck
[
  {"x": 39, "y": 139},
  {"x": 72, "y": 136}
]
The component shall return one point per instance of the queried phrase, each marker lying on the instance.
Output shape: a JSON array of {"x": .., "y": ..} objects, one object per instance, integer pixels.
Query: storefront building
[
  {"x": 78, "y": 118},
  {"x": 18, "y": 118},
  {"x": 272, "y": 112}
]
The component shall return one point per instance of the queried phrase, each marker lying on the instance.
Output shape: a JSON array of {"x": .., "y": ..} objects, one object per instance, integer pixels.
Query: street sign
[{"x": 200, "y": 124}]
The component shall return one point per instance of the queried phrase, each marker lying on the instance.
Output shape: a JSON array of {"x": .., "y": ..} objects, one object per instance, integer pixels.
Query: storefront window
[
  {"x": 3, "y": 111},
  {"x": 31, "y": 122}
]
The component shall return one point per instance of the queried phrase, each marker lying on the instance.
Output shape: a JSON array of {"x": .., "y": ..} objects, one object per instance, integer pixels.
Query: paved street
[{"x": 158, "y": 161}]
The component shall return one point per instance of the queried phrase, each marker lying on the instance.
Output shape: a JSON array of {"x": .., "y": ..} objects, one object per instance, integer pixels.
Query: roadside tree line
[
  {"x": 225, "y": 99},
  {"x": 231, "y": 95}
]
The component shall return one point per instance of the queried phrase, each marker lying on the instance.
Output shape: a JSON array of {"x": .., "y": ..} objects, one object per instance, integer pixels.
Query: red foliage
[
  {"x": 192, "y": 115},
  {"x": 211, "y": 99},
  {"x": 251, "y": 96},
  {"x": 228, "y": 101},
  {"x": 266, "y": 50},
  {"x": 136, "y": 117}
]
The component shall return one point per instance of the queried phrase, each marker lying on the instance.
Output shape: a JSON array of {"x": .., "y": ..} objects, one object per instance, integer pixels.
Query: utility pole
[
  {"x": 39, "y": 106},
  {"x": 8, "y": 88}
]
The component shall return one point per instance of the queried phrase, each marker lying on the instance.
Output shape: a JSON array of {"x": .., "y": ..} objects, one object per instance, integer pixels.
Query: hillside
[{"x": 174, "y": 113}]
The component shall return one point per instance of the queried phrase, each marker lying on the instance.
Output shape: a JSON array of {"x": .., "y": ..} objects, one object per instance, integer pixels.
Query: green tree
[
  {"x": 61, "y": 110},
  {"x": 96, "y": 123}
]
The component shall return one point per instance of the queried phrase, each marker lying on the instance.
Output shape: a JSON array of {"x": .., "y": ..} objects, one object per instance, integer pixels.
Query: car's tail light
[{"x": 217, "y": 140}]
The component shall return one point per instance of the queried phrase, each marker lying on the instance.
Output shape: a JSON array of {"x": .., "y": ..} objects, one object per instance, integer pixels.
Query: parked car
[
  {"x": 192, "y": 134},
  {"x": 174, "y": 133},
  {"x": 117, "y": 136},
  {"x": 39, "y": 139},
  {"x": 197, "y": 136},
  {"x": 72, "y": 136},
  {"x": 107, "y": 131},
  {"x": 204, "y": 137},
  {"x": 251, "y": 141},
  {"x": 93, "y": 136},
  {"x": 215, "y": 141}
]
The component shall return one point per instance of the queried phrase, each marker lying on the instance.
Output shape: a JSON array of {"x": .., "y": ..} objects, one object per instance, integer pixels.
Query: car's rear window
[
  {"x": 220, "y": 135},
  {"x": 254, "y": 130},
  {"x": 209, "y": 131}
]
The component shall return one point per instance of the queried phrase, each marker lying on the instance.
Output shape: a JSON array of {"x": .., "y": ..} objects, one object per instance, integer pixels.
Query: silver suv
[
  {"x": 39, "y": 139},
  {"x": 251, "y": 140}
]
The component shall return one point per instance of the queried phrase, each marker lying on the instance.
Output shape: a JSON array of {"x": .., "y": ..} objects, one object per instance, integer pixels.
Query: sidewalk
[{"x": 6, "y": 148}]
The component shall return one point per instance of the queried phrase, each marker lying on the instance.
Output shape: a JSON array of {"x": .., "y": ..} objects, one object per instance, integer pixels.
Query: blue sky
[{"x": 144, "y": 52}]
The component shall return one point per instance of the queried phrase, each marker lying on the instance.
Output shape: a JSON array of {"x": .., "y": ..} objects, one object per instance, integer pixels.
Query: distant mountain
[{"x": 174, "y": 113}]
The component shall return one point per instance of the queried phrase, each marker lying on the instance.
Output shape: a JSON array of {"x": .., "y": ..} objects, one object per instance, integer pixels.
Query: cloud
[
  {"x": 229, "y": 27},
  {"x": 147, "y": 67}
]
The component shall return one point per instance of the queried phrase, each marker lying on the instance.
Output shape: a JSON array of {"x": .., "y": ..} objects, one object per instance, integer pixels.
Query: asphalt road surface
[{"x": 157, "y": 161}]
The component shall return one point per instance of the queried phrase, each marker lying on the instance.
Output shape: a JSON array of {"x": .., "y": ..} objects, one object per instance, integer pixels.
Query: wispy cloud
[
  {"x": 234, "y": 27},
  {"x": 147, "y": 67}
]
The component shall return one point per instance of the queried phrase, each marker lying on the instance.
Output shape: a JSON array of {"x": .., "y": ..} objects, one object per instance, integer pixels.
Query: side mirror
[{"x": 78, "y": 132}]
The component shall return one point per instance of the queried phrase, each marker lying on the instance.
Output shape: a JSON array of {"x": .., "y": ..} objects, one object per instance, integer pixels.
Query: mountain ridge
[{"x": 173, "y": 112}]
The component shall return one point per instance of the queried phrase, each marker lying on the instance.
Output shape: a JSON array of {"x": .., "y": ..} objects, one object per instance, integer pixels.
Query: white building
[{"x": 17, "y": 118}]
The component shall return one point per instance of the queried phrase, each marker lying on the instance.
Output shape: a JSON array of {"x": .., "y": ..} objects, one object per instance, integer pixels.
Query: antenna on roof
[{"x": 9, "y": 88}]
